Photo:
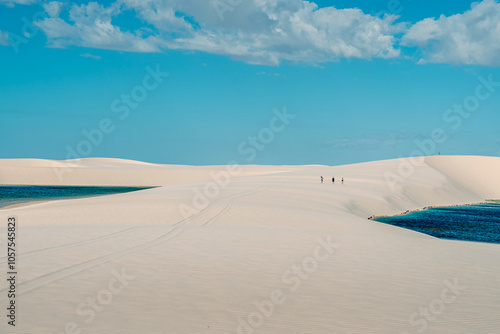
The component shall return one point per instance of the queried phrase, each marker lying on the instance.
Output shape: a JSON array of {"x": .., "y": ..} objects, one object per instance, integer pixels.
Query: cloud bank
[
  {"x": 471, "y": 38},
  {"x": 273, "y": 31},
  {"x": 257, "y": 31}
]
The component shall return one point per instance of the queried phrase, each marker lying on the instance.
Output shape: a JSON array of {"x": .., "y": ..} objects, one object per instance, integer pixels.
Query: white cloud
[
  {"x": 161, "y": 14},
  {"x": 88, "y": 55},
  {"x": 256, "y": 31},
  {"x": 303, "y": 34},
  {"x": 53, "y": 8},
  {"x": 91, "y": 26},
  {"x": 471, "y": 38},
  {"x": 270, "y": 31},
  {"x": 12, "y": 3},
  {"x": 4, "y": 38}
]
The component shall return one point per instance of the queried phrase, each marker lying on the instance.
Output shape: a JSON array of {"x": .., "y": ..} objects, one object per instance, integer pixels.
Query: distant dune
[{"x": 251, "y": 249}]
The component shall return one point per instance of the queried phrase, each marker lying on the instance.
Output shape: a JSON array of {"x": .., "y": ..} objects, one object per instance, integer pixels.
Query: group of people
[{"x": 333, "y": 180}]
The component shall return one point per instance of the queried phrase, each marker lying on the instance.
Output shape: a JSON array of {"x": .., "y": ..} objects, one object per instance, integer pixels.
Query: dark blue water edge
[
  {"x": 478, "y": 222},
  {"x": 12, "y": 195}
]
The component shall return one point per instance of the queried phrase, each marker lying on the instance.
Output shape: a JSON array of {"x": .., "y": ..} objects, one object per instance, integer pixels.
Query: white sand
[{"x": 205, "y": 273}]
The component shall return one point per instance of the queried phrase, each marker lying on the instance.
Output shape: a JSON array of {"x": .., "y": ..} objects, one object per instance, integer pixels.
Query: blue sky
[{"x": 362, "y": 86}]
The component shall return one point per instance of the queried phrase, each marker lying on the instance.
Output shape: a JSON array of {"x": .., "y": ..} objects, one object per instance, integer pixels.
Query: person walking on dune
[
  {"x": 333, "y": 180},
  {"x": 321, "y": 179},
  {"x": 342, "y": 180}
]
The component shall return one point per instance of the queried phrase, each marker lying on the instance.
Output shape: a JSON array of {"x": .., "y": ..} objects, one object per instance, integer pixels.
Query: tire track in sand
[{"x": 175, "y": 231}]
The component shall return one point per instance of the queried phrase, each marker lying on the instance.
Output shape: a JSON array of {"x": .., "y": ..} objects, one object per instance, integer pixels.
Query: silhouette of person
[{"x": 322, "y": 179}]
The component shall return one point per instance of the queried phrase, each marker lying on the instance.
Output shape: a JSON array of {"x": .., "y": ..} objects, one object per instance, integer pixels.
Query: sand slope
[{"x": 271, "y": 251}]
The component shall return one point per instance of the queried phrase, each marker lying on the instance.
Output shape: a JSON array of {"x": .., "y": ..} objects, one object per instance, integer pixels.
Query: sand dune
[{"x": 269, "y": 250}]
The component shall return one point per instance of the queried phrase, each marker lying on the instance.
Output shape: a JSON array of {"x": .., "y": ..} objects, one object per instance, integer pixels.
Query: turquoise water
[
  {"x": 471, "y": 223},
  {"x": 10, "y": 195}
]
